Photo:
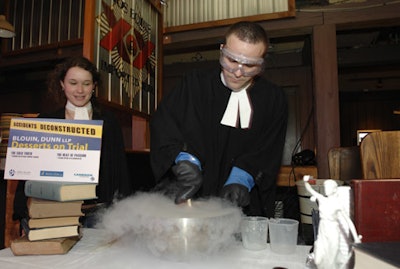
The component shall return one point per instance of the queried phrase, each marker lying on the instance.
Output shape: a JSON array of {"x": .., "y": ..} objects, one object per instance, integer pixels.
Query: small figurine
[{"x": 328, "y": 250}]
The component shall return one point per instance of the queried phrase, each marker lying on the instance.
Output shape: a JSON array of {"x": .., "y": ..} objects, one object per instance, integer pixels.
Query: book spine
[{"x": 41, "y": 190}]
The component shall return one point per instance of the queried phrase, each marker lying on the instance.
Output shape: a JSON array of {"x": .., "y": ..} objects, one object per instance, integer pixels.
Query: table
[{"x": 95, "y": 251}]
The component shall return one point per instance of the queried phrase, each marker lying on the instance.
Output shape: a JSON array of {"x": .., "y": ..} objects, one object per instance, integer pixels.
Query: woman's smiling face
[{"x": 78, "y": 86}]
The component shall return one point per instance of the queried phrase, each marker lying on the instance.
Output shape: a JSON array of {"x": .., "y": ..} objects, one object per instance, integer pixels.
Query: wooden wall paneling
[
  {"x": 140, "y": 133},
  {"x": 301, "y": 78},
  {"x": 345, "y": 163},
  {"x": 326, "y": 94},
  {"x": 367, "y": 110}
]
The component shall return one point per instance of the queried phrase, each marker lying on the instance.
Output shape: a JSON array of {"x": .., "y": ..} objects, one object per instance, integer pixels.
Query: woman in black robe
[{"x": 72, "y": 84}]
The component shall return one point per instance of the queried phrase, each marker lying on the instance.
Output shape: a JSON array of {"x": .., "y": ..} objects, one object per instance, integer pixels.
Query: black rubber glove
[
  {"x": 237, "y": 194},
  {"x": 189, "y": 180}
]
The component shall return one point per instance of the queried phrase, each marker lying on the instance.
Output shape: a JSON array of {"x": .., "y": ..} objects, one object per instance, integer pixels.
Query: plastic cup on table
[
  {"x": 283, "y": 234},
  {"x": 254, "y": 231}
]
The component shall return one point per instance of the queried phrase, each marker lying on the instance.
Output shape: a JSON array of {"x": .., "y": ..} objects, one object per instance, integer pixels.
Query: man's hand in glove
[
  {"x": 237, "y": 187},
  {"x": 189, "y": 179},
  {"x": 237, "y": 194}
]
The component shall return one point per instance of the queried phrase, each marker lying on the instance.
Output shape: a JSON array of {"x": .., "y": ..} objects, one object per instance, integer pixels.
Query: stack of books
[{"x": 54, "y": 210}]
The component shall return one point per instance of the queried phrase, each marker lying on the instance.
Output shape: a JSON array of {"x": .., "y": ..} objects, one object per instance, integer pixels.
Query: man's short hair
[{"x": 247, "y": 31}]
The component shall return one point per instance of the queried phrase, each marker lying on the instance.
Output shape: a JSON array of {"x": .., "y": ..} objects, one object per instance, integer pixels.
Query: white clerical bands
[
  {"x": 238, "y": 104},
  {"x": 80, "y": 113},
  {"x": 238, "y": 107}
]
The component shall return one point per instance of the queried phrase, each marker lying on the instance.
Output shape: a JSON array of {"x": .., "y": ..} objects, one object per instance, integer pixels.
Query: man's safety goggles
[{"x": 232, "y": 62}]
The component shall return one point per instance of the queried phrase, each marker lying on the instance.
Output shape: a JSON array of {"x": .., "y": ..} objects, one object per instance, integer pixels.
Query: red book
[{"x": 377, "y": 209}]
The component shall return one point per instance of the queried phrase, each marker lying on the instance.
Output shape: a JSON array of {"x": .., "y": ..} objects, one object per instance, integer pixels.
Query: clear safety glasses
[{"x": 233, "y": 62}]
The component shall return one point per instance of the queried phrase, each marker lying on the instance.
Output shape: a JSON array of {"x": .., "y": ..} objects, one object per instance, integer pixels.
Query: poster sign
[
  {"x": 126, "y": 52},
  {"x": 54, "y": 150}
]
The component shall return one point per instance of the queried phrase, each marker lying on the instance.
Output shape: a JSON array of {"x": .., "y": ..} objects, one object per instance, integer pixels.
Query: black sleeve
[
  {"x": 20, "y": 200},
  {"x": 115, "y": 180}
]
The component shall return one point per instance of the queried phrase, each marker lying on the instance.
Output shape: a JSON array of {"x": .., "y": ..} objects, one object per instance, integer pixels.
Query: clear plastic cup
[
  {"x": 254, "y": 231},
  {"x": 283, "y": 235}
]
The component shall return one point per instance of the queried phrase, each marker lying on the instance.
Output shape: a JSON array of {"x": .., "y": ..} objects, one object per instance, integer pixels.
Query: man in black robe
[{"x": 221, "y": 132}]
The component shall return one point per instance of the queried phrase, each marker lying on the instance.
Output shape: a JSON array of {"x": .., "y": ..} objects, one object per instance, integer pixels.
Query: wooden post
[
  {"x": 326, "y": 91},
  {"x": 88, "y": 31}
]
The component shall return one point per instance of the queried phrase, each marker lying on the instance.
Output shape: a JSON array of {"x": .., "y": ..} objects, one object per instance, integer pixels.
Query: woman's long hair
[{"x": 54, "y": 89}]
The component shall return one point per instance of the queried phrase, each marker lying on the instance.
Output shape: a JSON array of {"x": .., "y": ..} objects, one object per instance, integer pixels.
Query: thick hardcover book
[
  {"x": 22, "y": 246},
  {"x": 53, "y": 222},
  {"x": 374, "y": 255},
  {"x": 376, "y": 209},
  {"x": 49, "y": 233},
  {"x": 40, "y": 208},
  {"x": 60, "y": 191}
]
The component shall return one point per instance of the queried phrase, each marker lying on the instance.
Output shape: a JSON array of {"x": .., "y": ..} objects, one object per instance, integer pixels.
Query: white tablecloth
[{"x": 93, "y": 251}]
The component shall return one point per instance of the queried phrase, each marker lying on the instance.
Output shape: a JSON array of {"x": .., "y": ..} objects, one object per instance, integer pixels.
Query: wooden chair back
[{"x": 380, "y": 155}]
